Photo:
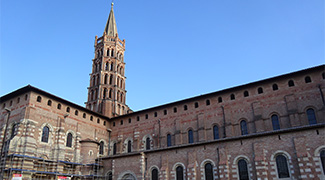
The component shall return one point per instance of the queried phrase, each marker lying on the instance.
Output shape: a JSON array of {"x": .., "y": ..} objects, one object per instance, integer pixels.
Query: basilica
[{"x": 268, "y": 129}]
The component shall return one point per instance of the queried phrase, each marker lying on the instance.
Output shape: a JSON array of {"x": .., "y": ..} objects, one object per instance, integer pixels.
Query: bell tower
[{"x": 106, "y": 91}]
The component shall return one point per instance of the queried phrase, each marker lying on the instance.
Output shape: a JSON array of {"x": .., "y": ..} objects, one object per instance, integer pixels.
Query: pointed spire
[{"x": 111, "y": 29}]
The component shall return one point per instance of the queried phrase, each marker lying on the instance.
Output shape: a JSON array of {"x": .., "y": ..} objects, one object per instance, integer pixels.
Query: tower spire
[{"x": 110, "y": 28}]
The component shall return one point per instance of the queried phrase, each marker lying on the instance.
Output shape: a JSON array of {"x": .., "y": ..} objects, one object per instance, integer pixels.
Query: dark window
[
  {"x": 275, "y": 122},
  {"x": 246, "y": 93},
  {"x": 175, "y": 110},
  {"x": 49, "y": 103},
  {"x": 113, "y": 124},
  {"x": 114, "y": 148},
  {"x": 215, "y": 132},
  {"x": 322, "y": 159},
  {"x": 275, "y": 87},
  {"x": 45, "y": 134},
  {"x": 154, "y": 174},
  {"x": 190, "y": 136},
  {"x": 138, "y": 118},
  {"x": 260, "y": 90},
  {"x": 18, "y": 100},
  {"x": 91, "y": 118},
  {"x": 243, "y": 171},
  {"x": 219, "y": 99},
  {"x": 169, "y": 140},
  {"x": 59, "y": 106},
  {"x": 196, "y": 105},
  {"x": 291, "y": 83},
  {"x": 185, "y": 107},
  {"x": 68, "y": 109},
  {"x": 39, "y": 99},
  {"x": 156, "y": 114},
  {"x": 98, "y": 121},
  {"x": 311, "y": 116},
  {"x": 104, "y": 123},
  {"x": 69, "y": 140},
  {"x": 129, "y": 146},
  {"x": 121, "y": 122},
  {"x": 84, "y": 115},
  {"x": 146, "y": 116},
  {"x": 208, "y": 170},
  {"x": 232, "y": 97},
  {"x": 323, "y": 75},
  {"x": 4, "y": 105},
  {"x": 101, "y": 148},
  {"x": 10, "y": 103},
  {"x": 76, "y": 113},
  {"x": 105, "y": 79},
  {"x": 179, "y": 173},
  {"x": 282, "y": 166},
  {"x": 26, "y": 96},
  {"x": 13, "y": 131},
  {"x": 307, "y": 79},
  {"x": 165, "y": 112},
  {"x": 147, "y": 143},
  {"x": 110, "y": 174},
  {"x": 243, "y": 127},
  {"x": 130, "y": 120}
]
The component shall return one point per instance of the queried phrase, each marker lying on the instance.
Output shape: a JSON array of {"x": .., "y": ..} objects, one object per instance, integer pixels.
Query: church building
[{"x": 268, "y": 129}]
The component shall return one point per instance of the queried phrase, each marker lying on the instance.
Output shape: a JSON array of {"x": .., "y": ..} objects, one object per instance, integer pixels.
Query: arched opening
[
  {"x": 291, "y": 83},
  {"x": 45, "y": 134},
  {"x": 154, "y": 174},
  {"x": 190, "y": 136},
  {"x": 307, "y": 79},
  {"x": 246, "y": 94},
  {"x": 275, "y": 87},
  {"x": 148, "y": 143},
  {"x": 129, "y": 146},
  {"x": 275, "y": 122},
  {"x": 169, "y": 140},
  {"x": 69, "y": 140},
  {"x": 243, "y": 127},
  {"x": 282, "y": 166},
  {"x": 106, "y": 79},
  {"x": 208, "y": 170},
  {"x": 260, "y": 90},
  {"x": 243, "y": 170},
  {"x": 311, "y": 116},
  {"x": 114, "y": 148},
  {"x": 179, "y": 173},
  {"x": 215, "y": 132},
  {"x": 322, "y": 159},
  {"x": 101, "y": 148}
]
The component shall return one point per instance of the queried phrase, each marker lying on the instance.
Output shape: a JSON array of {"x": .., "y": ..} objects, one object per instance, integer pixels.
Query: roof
[
  {"x": 110, "y": 28},
  {"x": 30, "y": 88}
]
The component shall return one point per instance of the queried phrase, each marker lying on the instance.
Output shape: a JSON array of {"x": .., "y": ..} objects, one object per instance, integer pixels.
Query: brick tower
[{"x": 106, "y": 92}]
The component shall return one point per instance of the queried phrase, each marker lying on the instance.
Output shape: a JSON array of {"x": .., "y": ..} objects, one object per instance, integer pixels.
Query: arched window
[
  {"x": 112, "y": 67},
  {"x": 114, "y": 148},
  {"x": 69, "y": 140},
  {"x": 110, "y": 174},
  {"x": 275, "y": 122},
  {"x": 106, "y": 66},
  {"x": 110, "y": 93},
  {"x": 49, "y": 103},
  {"x": 84, "y": 115},
  {"x": 243, "y": 170},
  {"x": 275, "y": 87},
  {"x": 208, "y": 170},
  {"x": 59, "y": 106},
  {"x": 215, "y": 132},
  {"x": 185, "y": 107},
  {"x": 76, "y": 113},
  {"x": 323, "y": 75},
  {"x": 219, "y": 99},
  {"x": 13, "y": 131},
  {"x": 190, "y": 136},
  {"x": 45, "y": 134},
  {"x": 68, "y": 109},
  {"x": 129, "y": 146},
  {"x": 260, "y": 90},
  {"x": 101, "y": 148},
  {"x": 243, "y": 127},
  {"x": 322, "y": 159},
  {"x": 154, "y": 174},
  {"x": 196, "y": 105},
  {"x": 291, "y": 83},
  {"x": 105, "y": 93},
  {"x": 106, "y": 79},
  {"x": 246, "y": 94},
  {"x": 207, "y": 102},
  {"x": 112, "y": 53},
  {"x": 169, "y": 140},
  {"x": 311, "y": 116},
  {"x": 307, "y": 79},
  {"x": 147, "y": 143},
  {"x": 282, "y": 166},
  {"x": 39, "y": 99},
  {"x": 232, "y": 97},
  {"x": 179, "y": 173}
]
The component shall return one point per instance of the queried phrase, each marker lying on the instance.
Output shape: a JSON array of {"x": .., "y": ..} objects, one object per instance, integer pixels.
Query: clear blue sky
[{"x": 175, "y": 49}]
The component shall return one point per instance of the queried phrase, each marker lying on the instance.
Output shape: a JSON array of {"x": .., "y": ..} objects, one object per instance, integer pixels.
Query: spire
[{"x": 110, "y": 28}]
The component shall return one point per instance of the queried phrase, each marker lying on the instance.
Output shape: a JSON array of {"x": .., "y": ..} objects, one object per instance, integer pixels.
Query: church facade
[{"x": 269, "y": 129}]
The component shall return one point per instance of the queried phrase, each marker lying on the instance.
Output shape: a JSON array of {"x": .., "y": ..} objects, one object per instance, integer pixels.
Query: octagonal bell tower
[{"x": 106, "y": 91}]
